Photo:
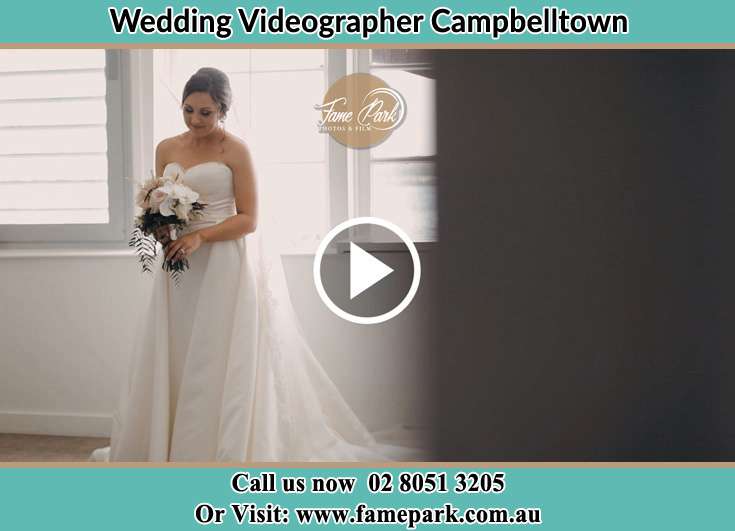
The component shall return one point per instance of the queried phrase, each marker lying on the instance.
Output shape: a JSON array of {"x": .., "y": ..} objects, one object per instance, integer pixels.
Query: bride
[{"x": 220, "y": 371}]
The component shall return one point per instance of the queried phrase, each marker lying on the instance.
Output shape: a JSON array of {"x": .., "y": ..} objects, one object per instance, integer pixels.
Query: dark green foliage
[
  {"x": 175, "y": 268},
  {"x": 149, "y": 222},
  {"x": 145, "y": 248}
]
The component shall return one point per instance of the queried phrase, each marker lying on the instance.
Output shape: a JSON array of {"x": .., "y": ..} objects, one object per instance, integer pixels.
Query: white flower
[
  {"x": 145, "y": 190},
  {"x": 157, "y": 197},
  {"x": 169, "y": 198},
  {"x": 182, "y": 211},
  {"x": 167, "y": 206},
  {"x": 184, "y": 194},
  {"x": 180, "y": 192}
]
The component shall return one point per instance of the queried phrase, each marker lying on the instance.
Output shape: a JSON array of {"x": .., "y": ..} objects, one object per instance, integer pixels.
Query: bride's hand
[{"x": 184, "y": 246}]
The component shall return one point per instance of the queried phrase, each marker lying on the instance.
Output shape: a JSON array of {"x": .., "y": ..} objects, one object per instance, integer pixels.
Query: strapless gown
[{"x": 219, "y": 373}]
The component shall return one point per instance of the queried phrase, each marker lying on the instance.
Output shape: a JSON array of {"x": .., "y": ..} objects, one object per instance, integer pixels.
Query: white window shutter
[{"x": 53, "y": 137}]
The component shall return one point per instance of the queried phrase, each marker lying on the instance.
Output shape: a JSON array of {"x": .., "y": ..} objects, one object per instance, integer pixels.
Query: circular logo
[
  {"x": 361, "y": 110},
  {"x": 364, "y": 273}
]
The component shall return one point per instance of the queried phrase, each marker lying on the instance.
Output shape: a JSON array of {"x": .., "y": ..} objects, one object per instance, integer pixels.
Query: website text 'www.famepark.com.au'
[
  {"x": 362, "y": 514},
  {"x": 413, "y": 516},
  {"x": 408, "y": 514}
]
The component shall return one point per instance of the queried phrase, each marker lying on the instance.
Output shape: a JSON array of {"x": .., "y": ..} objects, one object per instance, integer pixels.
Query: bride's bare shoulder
[
  {"x": 237, "y": 149},
  {"x": 235, "y": 142},
  {"x": 166, "y": 151},
  {"x": 167, "y": 144}
]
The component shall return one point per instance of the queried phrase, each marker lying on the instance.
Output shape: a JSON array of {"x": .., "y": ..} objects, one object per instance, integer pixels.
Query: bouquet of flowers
[{"x": 167, "y": 205}]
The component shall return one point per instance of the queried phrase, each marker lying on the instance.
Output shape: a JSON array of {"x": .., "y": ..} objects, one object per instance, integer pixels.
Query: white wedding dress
[{"x": 220, "y": 370}]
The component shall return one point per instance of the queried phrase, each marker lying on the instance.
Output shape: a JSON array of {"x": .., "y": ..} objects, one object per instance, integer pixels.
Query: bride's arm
[{"x": 245, "y": 221}]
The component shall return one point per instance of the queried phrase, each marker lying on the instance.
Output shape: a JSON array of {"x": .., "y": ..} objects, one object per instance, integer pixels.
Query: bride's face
[{"x": 201, "y": 113}]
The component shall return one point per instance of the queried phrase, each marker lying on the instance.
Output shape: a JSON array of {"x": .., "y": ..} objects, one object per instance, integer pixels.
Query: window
[
  {"x": 61, "y": 146},
  {"x": 397, "y": 181}
]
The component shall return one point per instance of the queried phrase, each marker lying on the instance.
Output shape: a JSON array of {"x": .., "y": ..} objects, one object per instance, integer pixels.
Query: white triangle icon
[{"x": 365, "y": 270}]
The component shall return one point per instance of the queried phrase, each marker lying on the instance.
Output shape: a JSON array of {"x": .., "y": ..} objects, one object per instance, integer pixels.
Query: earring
[{"x": 224, "y": 132}]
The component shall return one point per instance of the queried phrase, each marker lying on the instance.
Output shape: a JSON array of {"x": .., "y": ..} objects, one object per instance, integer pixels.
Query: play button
[
  {"x": 365, "y": 270},
  {"x": 363, "y": 281}
]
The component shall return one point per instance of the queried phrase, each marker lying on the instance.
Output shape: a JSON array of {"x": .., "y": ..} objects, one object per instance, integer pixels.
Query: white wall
[{"x": 67, "y": 323}]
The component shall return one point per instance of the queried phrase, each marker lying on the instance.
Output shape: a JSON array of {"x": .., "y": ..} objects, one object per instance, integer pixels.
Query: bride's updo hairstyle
[{"x": 215, "y": 83}]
